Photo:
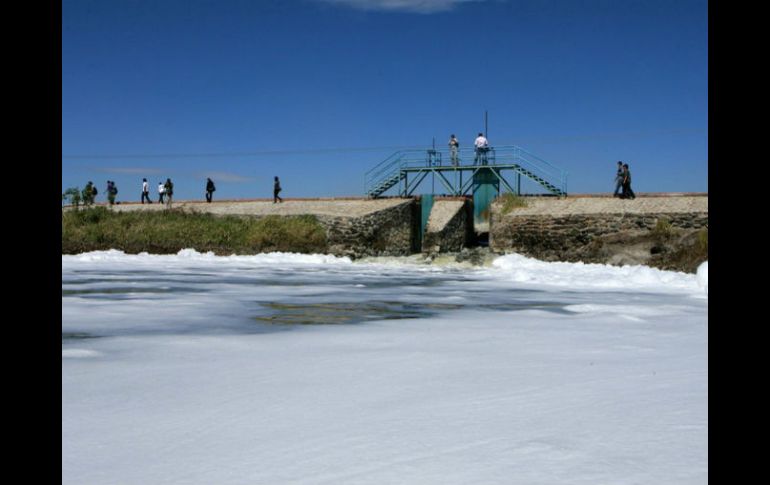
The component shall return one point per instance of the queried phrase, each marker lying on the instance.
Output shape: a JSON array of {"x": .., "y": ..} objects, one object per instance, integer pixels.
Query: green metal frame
[{"x": 408, "y": 169}]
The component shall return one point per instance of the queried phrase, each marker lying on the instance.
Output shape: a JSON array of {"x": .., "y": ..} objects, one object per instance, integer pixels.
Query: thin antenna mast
[{"x": 433, "y": 162}]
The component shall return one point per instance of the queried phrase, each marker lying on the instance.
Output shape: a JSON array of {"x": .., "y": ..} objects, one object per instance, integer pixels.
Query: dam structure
[
  {"x": 466, "y": 173},
  {"x": 459, "y": 209}
]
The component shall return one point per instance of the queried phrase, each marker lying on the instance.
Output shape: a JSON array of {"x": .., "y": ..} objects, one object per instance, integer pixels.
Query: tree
[{"x": 73, "y": 195}]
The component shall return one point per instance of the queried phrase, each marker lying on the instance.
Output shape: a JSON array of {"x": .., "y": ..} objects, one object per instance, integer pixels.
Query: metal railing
[{"x": 391, "y": 171}]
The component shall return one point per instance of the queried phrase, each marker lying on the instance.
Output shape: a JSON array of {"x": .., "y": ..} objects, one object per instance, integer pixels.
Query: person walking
[
  {"x": 627, "y": 192},
  {"x": 276, "y": 191},
  {"x": 618, "y": 179},
  {"x": 482, "y": 147},
  {"x": 112, "y": 191},
  {"x": 161, "y": 192},
  {"x": 89, "y": 193},
  {"x": 169, "y": 191},
  {"x": 209, "y": 189},
  {"x": 146, "y": 191},
  {"x": 454, "y": 145}
]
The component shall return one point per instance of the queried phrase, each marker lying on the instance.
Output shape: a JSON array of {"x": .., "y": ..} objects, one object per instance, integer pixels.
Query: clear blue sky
[{"x": 319, "y": 91}]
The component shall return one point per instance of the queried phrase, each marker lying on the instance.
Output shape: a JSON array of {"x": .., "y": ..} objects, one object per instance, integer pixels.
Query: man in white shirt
[
  {"x": 161, "y": 192},
  {"x": 482, "y": 147},
  {"x": 146, "y": 191}
]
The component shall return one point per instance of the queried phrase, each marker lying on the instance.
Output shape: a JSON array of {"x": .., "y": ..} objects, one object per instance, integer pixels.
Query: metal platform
[{"x": 464, "y": 174}]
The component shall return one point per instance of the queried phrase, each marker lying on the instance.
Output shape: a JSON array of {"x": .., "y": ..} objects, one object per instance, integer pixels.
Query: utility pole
[{"x": 432, "y": 172}]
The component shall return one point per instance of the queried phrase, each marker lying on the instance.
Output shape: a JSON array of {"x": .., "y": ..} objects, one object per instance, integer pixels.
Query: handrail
[
  {"x": 387, "y": 172},
  {"x": 374, "y": 176}
]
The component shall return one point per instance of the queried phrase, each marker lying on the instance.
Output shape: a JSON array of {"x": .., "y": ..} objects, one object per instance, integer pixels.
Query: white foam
[
  {"x": 519, "y": 268},
  {"x": 79, "y": 353},
  {"x": 191, "y": 255},
  {"x": 480, "y": 394},
  {"x": 703, "y": 276}
]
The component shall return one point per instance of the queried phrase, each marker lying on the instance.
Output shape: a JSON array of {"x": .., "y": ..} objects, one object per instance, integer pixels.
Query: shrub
[
  {"x": 663, "y": 229},
  {"x": 73, "y": 195},
  {"x": 703, "y": 242},
  {"x": 511, "y": 201},
  {"x": 168, "y": 231}
]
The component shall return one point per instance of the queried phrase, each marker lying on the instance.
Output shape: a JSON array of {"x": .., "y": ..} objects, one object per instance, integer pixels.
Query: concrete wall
[{"x": 450, "y": 226}]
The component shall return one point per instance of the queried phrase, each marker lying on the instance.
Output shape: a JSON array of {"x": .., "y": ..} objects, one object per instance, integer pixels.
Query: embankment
[
  {"x": 343, "y": 227},
  {"x": 667, "y": 231},
  {"x": 663, "y": 231}
]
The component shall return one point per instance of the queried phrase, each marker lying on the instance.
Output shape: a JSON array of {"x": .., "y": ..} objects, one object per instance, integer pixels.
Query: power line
[
  {"x": 274, "y": 152},
  {"x": 247, "y": 154}
]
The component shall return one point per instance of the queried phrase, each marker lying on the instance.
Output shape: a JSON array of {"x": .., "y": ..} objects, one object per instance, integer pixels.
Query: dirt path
[
  {"x": 643, "y": 204},
  {"x": 327, "y": 207}
]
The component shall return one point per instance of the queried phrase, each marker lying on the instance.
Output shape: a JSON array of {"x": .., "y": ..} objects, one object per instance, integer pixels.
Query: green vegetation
[
  {"x": 168, "y": 231},
  {"x": 511, "y": 201},
  {"x": 72, "y": 195},
  {"x": 663, "y": 229},
  {"x": 686, "y": 253},
  {"x": 703, "y": 243}
]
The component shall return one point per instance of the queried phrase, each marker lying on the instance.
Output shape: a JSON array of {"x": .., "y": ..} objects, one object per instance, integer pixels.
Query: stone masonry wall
[
  {"x": 563, "y": 238},
  {"x": 626, "y": 238},
  {"x": 389, "y": 232}
]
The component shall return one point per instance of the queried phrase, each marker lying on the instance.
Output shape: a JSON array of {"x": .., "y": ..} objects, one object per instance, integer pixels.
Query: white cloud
[
  {"x": 127, "y": 170},
  {"x": 414, "y": 6}
]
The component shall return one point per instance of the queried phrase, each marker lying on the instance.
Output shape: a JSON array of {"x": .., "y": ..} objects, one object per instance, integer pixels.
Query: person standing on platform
[
  {"x": 454, "y": 146},
  {"x": 482, "y": 147}
]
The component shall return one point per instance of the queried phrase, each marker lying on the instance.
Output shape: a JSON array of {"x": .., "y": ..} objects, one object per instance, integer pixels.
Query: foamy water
[{"x": 282, "y": 368}]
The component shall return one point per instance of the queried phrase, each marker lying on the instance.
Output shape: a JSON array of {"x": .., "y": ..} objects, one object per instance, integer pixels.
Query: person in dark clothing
[
  {"x": 89, "y": 193},
  {"x": 618, "y": 179},
  {"x": 169, "y": 186},
  {"x": 112, "y": 191},
  {"x": 627, "y": 192},
  {"x": 209, "y": 189},
  {"x": 276, "y": 190}
]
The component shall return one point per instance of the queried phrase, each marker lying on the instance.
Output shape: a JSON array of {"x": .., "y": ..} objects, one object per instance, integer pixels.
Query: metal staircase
[{"x": 417, "y": 164}]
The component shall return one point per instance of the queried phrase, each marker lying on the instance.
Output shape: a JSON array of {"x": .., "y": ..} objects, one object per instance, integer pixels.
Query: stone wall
[
  {"x": 388, "y": 232},
  {"x": 629, "y": 237},
  {"x": 355, "y": 227},
  {"x": 555, "y": 237}
]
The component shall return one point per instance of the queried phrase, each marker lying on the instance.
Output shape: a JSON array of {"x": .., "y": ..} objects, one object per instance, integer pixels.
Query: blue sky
[{"x": 318, "y": 91}]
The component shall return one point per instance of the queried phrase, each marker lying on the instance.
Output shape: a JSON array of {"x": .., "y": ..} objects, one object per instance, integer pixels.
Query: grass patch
[
  {"x": 510, "y": 201},
  {"x": 687, "y": 254},
  {"x": 168, "y": 231},
  {"x": 703, "y": 243},
  {"x": 663, "y": 229}
]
